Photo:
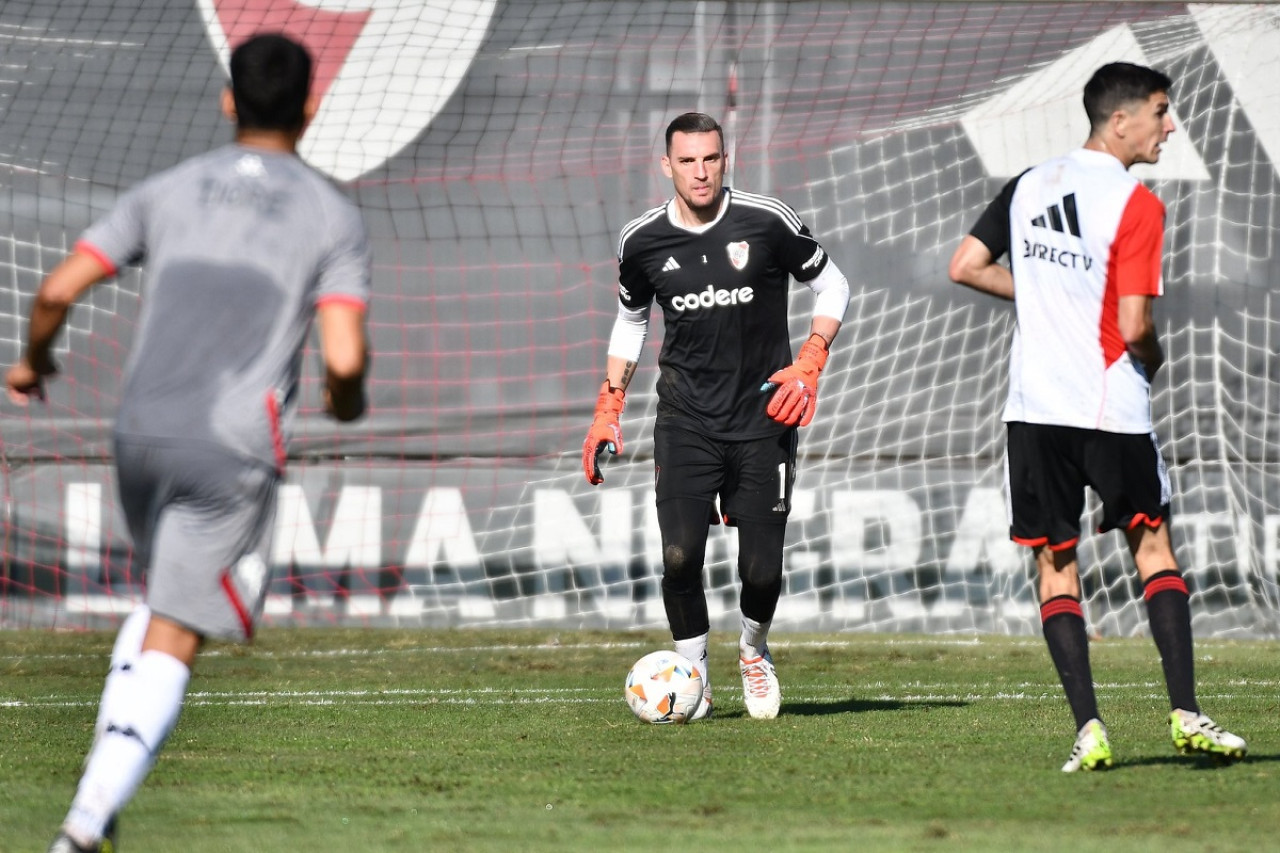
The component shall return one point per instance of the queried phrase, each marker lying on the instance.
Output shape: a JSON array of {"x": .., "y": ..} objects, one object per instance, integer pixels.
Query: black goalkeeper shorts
[{"x": 752, "y": 479}]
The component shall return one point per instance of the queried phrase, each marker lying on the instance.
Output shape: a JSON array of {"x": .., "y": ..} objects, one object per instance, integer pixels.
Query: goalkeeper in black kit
[{"x": 731, "y": 398}]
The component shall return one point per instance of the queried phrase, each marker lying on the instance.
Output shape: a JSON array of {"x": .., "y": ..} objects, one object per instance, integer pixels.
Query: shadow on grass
[
  {"x": 859, "y": 706},
  {"x": 1190, "y": 762},
  {"x": 851, "y": 706}
]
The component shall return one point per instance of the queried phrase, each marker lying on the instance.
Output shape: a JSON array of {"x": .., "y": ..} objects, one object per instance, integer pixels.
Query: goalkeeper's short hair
[{"x": 694, "y": 123}]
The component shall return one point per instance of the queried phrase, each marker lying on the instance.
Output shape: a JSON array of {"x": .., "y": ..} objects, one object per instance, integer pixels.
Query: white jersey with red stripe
[{"x": 1081, "y": 232}]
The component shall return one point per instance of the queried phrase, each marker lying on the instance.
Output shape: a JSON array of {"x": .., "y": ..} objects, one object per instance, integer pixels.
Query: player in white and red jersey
[
  {"x": 245, "y": 246},
  {"x": 1084, "y": 240},
  {"x": 719, "y": 262}
]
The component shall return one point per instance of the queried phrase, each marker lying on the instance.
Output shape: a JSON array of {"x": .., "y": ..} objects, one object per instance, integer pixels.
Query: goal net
[{"x": 496, "y": 150}]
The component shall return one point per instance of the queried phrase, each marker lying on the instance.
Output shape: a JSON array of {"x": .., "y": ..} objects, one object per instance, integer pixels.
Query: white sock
[
  {"x": 145, "y": 704},
  {"x": 123, "y": 656},
  {"x": 755, "y": 636},
  {"x": 695, "y": 649}
]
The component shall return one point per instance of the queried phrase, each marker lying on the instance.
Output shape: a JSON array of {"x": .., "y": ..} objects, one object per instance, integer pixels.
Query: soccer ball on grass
[{"x": 664, "y": 687}]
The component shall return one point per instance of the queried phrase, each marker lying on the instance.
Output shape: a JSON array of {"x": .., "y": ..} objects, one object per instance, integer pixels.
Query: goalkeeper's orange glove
[
  {"x": 795, "y": 388},
  {"x": 605, "y": 431}
]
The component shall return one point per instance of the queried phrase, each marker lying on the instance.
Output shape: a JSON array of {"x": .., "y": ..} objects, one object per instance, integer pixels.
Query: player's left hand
[{"x": 795, "y": 388}]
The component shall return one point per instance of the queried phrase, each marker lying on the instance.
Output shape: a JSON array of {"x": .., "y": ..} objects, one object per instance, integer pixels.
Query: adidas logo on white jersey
[
  {"x": 1061, "y": 219},
  {"x": 670, "y": 265}
]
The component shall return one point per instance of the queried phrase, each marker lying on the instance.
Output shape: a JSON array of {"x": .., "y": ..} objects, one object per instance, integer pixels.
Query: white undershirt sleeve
[
  {"x": 832, "y": 291},
  {"x": 629, "y": 331}
]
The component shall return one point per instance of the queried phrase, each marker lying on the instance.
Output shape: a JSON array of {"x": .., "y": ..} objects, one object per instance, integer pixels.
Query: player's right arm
[
  {"x": 113, "y": 241},
  {"x": 53, "y": 300},
  {"x": 973, "y": 265},
  {"x": 975, "y": 262},
  {"x": 630, "y": 327}
]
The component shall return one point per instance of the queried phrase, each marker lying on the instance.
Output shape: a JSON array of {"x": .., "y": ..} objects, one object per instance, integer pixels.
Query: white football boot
[
  {"x": 1092, "y": 750},
  {"x": 760, "y": 691},
  {"x": 1196, "y": 733}
]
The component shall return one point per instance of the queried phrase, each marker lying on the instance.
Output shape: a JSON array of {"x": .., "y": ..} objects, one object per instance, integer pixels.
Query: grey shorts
[{"x": 201, "y": 521}]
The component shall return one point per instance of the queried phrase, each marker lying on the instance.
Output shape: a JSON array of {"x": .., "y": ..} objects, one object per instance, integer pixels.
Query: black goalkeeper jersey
[{"x": 723, "y": 291}]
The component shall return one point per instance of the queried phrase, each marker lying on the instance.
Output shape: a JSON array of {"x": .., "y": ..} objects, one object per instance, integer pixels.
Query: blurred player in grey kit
[{"x": 244, "y": 247}]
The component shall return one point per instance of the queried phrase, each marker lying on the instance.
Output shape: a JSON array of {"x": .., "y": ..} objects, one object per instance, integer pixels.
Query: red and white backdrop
[{"x": 496, "y": 149}]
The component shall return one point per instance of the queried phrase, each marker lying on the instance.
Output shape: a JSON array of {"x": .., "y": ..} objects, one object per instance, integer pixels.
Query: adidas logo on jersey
[
  {"x": 1060, "y": 219},
  {"x": 711, "y": 297},
  {"x": 670, "y": 265}
]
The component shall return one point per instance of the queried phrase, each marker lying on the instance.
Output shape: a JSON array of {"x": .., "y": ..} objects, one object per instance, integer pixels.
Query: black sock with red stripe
[
  {"x": 1062, "y": 620},
  {"x": 1169, "y": 615}
]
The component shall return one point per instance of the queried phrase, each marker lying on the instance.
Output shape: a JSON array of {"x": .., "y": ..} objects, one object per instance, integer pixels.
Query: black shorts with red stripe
[{"x": 1047, "y": 468}]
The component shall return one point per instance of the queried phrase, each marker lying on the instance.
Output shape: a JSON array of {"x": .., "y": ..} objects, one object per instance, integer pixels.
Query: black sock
[
  {"x": 1169, "y": 615},
  {"x": 1063, "y": 623}
]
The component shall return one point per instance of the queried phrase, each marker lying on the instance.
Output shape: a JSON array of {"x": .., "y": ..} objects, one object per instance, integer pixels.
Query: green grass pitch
[{"x": 473, "y": 740}]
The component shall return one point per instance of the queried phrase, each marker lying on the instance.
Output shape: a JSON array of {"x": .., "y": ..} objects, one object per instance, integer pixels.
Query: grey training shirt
[{"x": 241, "y": 245}]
